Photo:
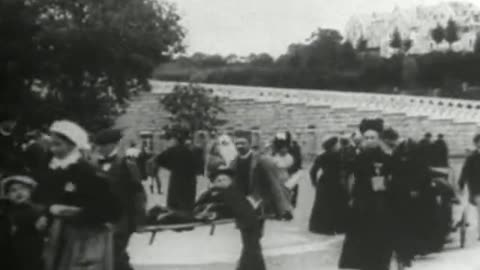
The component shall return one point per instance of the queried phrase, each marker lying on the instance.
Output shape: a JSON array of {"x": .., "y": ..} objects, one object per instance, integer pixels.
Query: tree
[
  {"x": 348, "y": 55},
  {"x": 232, "y": 59},
  {"x": 438, "y": 34},
  {"x": 193, "y": 108},
  {"x": 362, "y": 44},
  {"x": 396, "y": 41},
  {"x": 407, "y": 45},
  {"x": 18, "y": 52},
  {"x": 85, "y": 58},
  {"x": 263, "y": 59},
  {"x": 451, "y": 32}
]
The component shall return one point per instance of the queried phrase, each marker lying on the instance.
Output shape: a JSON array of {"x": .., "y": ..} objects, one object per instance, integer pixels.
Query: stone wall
[{"x": 312, "y": 115}]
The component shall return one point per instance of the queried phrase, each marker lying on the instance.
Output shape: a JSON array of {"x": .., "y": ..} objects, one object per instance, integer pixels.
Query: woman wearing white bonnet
[
  {"x": 68, "y": 140},
  {"x": 78, "y": 199}
]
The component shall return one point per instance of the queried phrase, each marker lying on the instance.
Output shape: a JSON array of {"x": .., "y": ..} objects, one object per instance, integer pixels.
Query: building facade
[{"x": 416, "y": 24}]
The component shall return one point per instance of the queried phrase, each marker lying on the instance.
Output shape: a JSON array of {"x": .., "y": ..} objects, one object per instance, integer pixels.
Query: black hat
[
  {"x": 108, "y": 136},
  {"x": 390, "y": 134},
  {"x": 328, "y": 144},
  {"x": 371, "y": 124}
]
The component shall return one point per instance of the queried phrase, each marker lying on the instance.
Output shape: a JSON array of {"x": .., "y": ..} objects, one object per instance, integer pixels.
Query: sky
[{"x": 255, "y": 26}]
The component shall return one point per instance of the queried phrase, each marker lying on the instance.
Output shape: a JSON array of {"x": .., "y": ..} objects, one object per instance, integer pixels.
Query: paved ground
[{"x": 287, "y": 245}]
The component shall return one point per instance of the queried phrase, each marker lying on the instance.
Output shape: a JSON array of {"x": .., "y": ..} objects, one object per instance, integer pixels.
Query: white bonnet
[{"x": 73, "y": 132}]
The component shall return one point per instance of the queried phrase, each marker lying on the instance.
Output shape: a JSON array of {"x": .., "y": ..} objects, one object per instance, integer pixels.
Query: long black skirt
[
  {"x": 329, "y": 210},
  {"x": 368, "y": 243}
]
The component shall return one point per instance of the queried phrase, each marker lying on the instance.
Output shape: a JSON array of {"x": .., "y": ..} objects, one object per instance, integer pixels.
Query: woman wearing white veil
[{"x": 221, "y": 152}]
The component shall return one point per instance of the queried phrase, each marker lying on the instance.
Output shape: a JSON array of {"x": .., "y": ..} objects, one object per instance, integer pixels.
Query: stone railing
[{"x": 458, "y": 110}]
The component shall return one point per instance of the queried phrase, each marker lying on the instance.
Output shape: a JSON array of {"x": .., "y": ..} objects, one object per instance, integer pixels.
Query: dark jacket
[
  {"x": 124, "y": 177},
  {"x": 471, "y": 174},
  {"x": 10, "y": 156},
  {"x": 22, "y": 241},
  {"x": 79, "y": 185},
  {"x": 263, "y": 184}
]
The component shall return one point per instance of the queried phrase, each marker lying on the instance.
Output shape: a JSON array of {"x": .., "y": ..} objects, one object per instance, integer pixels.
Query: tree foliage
[
  {"x": 438, "y": 34},
  {"x": 325, "y": 61},
  {"x": 83, "y": 59},
  {"x": 362, "y": 44},
  {"x": 451, "y": 32},
  {"x": 193, "y": 108},
  {"x": 407, "y": 44},
  {"x": 396, "y": 40}
]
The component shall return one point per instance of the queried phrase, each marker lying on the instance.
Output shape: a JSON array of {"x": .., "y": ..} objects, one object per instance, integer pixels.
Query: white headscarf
[
  {"x": 226, "y": 148},
  {"x": 74, "y": 133}
]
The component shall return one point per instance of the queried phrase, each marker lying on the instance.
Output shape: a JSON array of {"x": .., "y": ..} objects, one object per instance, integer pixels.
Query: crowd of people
[
  {"x": 387, "y": 194},
  {"x": 72, "y": 200}
]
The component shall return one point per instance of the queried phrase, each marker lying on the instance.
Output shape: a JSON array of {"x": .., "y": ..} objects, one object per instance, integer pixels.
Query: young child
[
  {"x": 247, "y": 220},
  {"x": 22, "y": 223}
]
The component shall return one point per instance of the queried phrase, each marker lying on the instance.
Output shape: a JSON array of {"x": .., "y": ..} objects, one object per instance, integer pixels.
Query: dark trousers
[
  {"x": 251, "y": 257},
  {"x": 294, "y": 196},
  {"x": 121, "y": 258}
]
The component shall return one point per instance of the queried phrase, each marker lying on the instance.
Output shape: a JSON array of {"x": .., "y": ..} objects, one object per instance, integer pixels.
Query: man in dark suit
[
  {"x": 125, "y": 181},
  {"x": 257, "y": 177}
]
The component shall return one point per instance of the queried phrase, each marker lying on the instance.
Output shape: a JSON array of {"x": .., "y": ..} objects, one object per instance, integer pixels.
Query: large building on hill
[{"x": 416, "y": 23}]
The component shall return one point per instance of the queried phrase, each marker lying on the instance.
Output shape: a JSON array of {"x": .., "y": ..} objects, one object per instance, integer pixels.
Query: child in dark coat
[
  {"x": 22, "y": 224},
  {"x": 247, "y": 220}
]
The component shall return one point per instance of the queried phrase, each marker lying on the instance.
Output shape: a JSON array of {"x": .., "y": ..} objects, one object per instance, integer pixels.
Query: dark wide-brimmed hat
[
  {"x": 329, "y": 143},
  {"x": 371, "y": 124}
]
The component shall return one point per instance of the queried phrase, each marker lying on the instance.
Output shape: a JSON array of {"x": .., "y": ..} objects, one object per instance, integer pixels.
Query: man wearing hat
[{"x": 125, "y": 180}]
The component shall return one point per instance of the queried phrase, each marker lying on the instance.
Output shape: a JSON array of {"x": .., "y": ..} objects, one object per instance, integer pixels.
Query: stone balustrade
[
  {"x": 314, "y": 114},
  {"x": 433, "y": 107}
]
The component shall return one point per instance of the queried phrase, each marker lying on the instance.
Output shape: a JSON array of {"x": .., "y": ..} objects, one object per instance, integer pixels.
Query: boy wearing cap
[
  {"x": 22, "y": 224},
  {"x": 246, "y": 218},
  {"x": 124, "y": 177}
]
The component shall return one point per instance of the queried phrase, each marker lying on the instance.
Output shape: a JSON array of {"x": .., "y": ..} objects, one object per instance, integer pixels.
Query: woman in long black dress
[
  {"x": 79, "y": 201},
  {"x": 368, "y": 244},
  {"x": 329, "y": 208},
  {"x": 180, "y": 161}
]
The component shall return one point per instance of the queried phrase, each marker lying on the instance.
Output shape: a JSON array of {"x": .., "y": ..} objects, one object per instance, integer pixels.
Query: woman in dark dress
[
  {"x": 470, "y": 177},
  {"x": 329, "y": 208},
  {"x": 180, "y": 160},
  {"x": 79, "y": 203},
  {"x": 368, "y": 243}
]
